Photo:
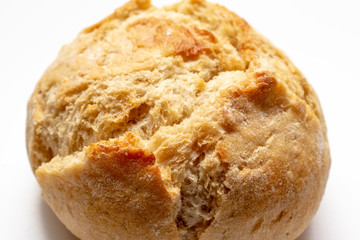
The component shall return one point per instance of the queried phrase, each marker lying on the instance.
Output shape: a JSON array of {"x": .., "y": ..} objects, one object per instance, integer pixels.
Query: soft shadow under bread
[{"x": 53, "y": 228}]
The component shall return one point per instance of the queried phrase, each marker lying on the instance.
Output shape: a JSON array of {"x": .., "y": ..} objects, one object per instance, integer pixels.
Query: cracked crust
[
  {"x": 177, "y": 123},
  {"x": 92, "y": 192}
]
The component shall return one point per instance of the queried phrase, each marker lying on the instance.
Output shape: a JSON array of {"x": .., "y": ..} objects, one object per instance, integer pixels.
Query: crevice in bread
[
  {"x": 257, "y": 225},
  {"x": 201, "y": 190}
]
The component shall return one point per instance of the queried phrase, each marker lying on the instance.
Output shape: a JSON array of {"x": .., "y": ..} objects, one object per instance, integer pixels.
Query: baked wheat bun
[{"x": 177, "y": 123}]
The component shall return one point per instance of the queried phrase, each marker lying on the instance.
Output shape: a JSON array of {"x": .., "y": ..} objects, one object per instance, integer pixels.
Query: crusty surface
[{"x": 177, "y": 123}]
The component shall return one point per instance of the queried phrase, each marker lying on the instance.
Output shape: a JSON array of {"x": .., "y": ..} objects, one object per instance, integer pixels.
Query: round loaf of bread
[{"x": 177, "y": 123}]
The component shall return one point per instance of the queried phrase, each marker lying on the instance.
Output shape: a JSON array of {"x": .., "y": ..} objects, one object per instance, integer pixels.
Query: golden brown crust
[
  {"x": 113, "y": 190},
  {"x": 273, "y": 171},
  {"x": 177, "y": 123},
  {"x": 118, "y": 154}
]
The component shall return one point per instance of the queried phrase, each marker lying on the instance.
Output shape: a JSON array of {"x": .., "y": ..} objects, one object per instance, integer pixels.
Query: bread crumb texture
[{"x": 179, "y": 122}]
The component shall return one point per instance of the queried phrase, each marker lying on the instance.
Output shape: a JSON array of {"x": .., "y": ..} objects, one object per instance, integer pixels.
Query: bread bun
[{"x": 177, "y": 123}]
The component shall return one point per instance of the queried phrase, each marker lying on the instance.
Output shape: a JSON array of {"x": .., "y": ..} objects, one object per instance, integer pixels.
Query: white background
[{"x": 321, "y": 37}]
